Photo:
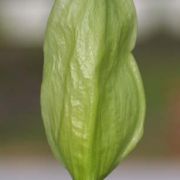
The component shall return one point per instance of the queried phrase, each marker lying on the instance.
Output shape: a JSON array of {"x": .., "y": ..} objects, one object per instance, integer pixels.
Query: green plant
[{"x": 92, "y": 96}]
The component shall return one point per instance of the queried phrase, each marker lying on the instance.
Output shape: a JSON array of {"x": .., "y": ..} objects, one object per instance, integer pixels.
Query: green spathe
[{"x": 92, "y": 96}]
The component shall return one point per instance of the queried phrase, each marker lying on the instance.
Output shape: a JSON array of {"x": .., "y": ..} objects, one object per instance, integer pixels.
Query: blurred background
[{"x": 24, "y": 152}]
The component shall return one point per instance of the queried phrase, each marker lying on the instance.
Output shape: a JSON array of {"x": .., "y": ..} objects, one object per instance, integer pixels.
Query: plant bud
[{"x": 92, "y": 96}]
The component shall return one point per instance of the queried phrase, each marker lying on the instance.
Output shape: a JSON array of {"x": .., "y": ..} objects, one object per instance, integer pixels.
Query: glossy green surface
[{"x": 92, "y": 96}]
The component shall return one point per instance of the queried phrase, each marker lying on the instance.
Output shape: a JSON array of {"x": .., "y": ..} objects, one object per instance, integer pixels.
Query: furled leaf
[{"x": 92, "y": 96}]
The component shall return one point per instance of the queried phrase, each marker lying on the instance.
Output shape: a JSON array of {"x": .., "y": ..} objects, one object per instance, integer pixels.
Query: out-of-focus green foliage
[{"x": 92, "y": 96}]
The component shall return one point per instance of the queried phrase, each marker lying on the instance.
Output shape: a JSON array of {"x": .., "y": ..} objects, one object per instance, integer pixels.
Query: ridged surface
[{"x": 92, "y": 97}]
